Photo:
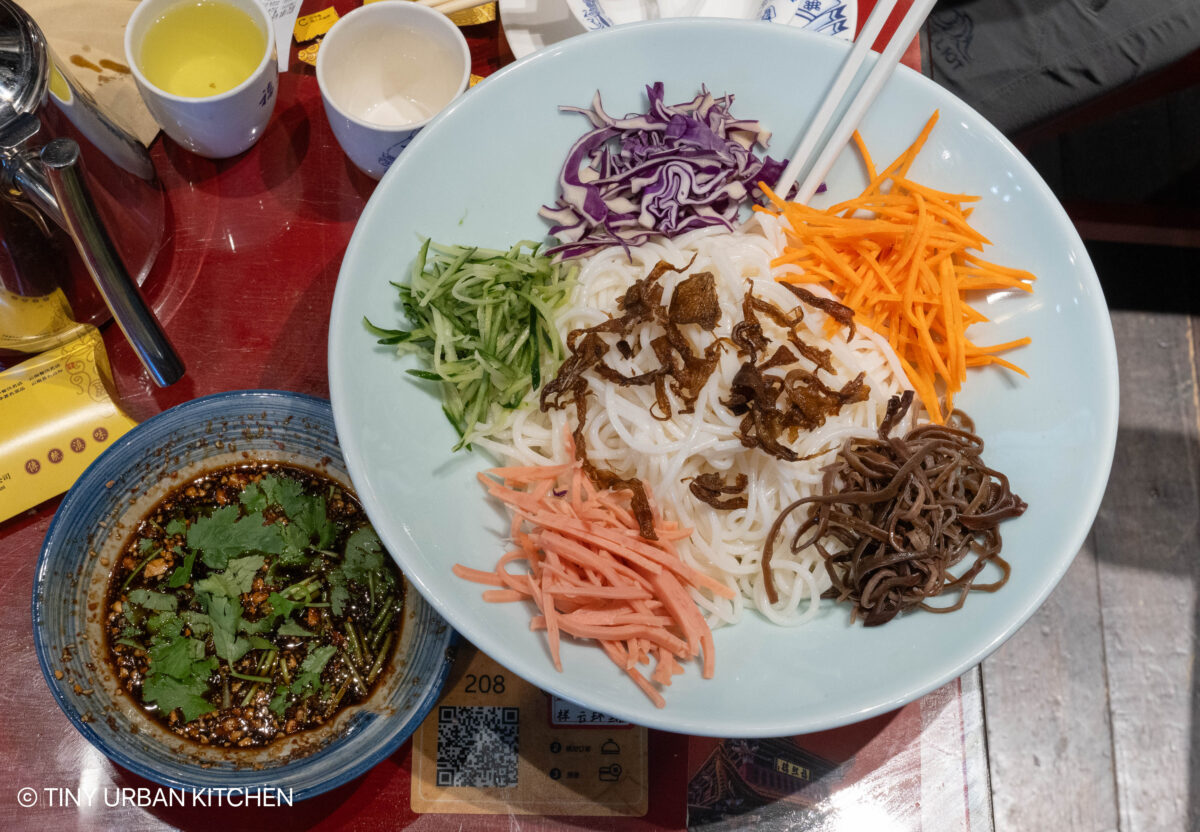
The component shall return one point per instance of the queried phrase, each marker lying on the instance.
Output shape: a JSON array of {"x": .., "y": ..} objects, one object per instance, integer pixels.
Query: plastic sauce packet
[
  {"x": 312, "y": 26},
  {"x": 473, "y": 17},
  {"x": 309, "y": 53},
  {"x": 468, "y": 17},
  {"x": 57, "y": 416}
]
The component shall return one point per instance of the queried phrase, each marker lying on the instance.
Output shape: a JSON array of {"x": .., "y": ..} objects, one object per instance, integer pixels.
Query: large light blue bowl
[
  {"x": 478, "y": 174},
  {"x": 93, "y": 523}
]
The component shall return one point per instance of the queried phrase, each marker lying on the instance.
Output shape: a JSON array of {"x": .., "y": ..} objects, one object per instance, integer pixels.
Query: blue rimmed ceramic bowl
[{"x": 92, "y": 525}]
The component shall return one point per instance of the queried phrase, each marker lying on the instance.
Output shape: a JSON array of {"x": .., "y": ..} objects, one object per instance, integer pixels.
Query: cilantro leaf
[
  {"x": 363, "y": 555},
  {"x": 260, "y": 643},
  {"x": 286, "y": 493},
  {"x": 145, "y": 545},
  {"x": 253, "y": 497},
  {"x": 238, "y": 577},
  {"x": 164, "y": 625},
  {"x": 279, "y": 701},
  {"x": 169, "y": 693},
  {"x": 281, "y": 605},
  {"x": 183, "y": 573},
  {"x": 307, "y": 522},
  {"x": 179, "y": 670},
  {"x": 197, "y": 621},
  {"x": 363, "y": 559},
  {"x": 262, "y": 625},
  {"x": 295, "y": 541},
  {"x": 309, "y": 675},
  {"x": 271, "y": 490},
  {"x": 312, "y": 518},
  {"x": 134, "y": 614},
  {"x": 243, "y": 570},
  {"x": 152, "y": 600},
  {"x": 291, "y": 628},
  {"x": 225, "y": 614},
  {"x": 177, "y": 526},
  {"x": 175, "y": 656},
  {"x": 339, "y": 594},
  {"x": 223, "y": 534},
  {"x": 218, "y": 583}
]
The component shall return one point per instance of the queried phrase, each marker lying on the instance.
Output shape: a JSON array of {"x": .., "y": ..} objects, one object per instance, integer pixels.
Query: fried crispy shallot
[
  {"x": 708, "y": 488},
  {"x": 773, "y": 408},
  {"x": 694, "y": 301}
]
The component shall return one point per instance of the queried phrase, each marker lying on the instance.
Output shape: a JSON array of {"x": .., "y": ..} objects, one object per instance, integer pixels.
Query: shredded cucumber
[{"x": 482, "y": 321}]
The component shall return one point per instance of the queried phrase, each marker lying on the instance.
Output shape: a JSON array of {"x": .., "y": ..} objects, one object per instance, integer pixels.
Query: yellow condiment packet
[
  {"x": 58, "y": 416},
  {"x": 467, "y": 17},
  {"x": 314, "y": 25},
  {"x": 309, "y": 53},
  {"x": 473, "y": 17}
]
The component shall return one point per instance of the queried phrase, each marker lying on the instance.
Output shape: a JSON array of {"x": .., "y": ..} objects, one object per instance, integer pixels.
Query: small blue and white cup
[
  {"x": 385, "y": 70},
  {"x": 215, "y": 126}
]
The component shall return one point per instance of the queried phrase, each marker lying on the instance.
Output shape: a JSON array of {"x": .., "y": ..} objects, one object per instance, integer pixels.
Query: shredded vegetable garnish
[
  {"x": 904, "y": 256},
  {"x": 594, "y": 577},
  {"x": 483, "y": 321},
  {"x": 673, "y": 169},
  {"x": 897, "y": 513}
]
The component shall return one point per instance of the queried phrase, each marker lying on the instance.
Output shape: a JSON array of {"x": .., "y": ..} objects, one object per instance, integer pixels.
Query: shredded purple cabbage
[{"x": 673, "y": 169}]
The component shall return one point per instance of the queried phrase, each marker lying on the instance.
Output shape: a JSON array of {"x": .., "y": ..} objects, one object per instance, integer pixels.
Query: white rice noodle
[{"x": 624, "y": 437}]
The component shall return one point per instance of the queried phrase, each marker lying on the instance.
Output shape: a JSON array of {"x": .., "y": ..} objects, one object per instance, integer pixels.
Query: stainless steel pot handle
[{"x": 78, "y": 216}]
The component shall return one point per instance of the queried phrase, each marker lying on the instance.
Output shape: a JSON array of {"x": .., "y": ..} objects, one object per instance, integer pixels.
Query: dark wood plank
[{"x": 1135, "y": 222}]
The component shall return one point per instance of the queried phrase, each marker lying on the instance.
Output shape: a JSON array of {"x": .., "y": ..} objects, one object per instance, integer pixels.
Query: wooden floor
[{"x": 1092, "y": 710}]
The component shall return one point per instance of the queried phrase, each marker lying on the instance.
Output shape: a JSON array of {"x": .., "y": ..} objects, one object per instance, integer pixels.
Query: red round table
[{"x": 243, "y": 288}]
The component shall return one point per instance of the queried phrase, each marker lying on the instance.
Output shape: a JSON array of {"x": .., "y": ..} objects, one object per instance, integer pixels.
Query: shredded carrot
[
  {"x": 591, "y": 576},
  {"x": 903, "y": 256}
]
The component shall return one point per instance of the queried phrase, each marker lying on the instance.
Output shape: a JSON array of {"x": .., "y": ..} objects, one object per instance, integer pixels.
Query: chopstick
[
  {"x": 452, "y": 6},
  {"x": 878, "y": 75},
  {"x": 834, "y": 95}
]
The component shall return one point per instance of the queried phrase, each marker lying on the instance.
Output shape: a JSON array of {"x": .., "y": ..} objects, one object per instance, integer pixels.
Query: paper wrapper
[
  {"x": 88, "y": 39},
  {"x": 475, "y": 16},
  {"x": 58, "y": 415},
  {"x": 485, "y": 13}
]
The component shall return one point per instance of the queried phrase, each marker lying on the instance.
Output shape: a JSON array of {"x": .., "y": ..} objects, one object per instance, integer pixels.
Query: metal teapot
[{"x": 82, "y": 212}]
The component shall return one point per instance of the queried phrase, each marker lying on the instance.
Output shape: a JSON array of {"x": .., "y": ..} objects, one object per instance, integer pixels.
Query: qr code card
[{"x": 494, "y": 744}]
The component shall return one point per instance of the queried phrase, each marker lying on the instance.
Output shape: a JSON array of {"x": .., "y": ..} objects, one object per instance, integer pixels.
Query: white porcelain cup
[
  {"x": 385, "y": 70},
  {"x": 216, "y": 126}
]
